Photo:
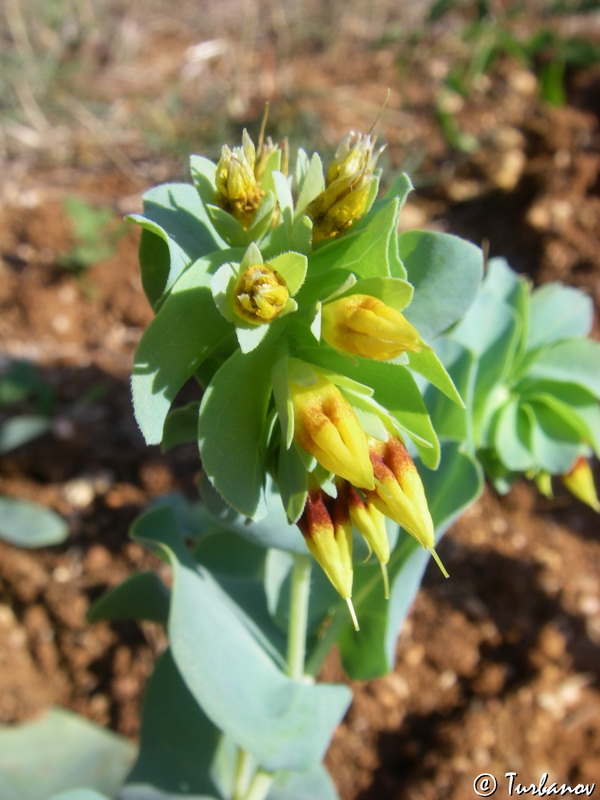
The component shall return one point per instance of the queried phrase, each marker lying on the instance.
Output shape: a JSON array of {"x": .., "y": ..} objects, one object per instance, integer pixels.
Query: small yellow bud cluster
[
  {"x": 347, "y": 188},
  {"x": 260, "y": 294}
]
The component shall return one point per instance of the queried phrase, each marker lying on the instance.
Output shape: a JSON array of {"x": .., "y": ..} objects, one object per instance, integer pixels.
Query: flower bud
[
  {"x": 347, "y": 188},
  {"x": 238, "y": 190},
  {"x": 325, "y": 525},
  {"x": 399, "y": 492},
  {"x": 326, "y": 426},
  {"x": 260, "y": 294},
  {"x": 580, "y": 482},
  {"x": 366, "y": 326},
  {"x": 370, "y": 523}
]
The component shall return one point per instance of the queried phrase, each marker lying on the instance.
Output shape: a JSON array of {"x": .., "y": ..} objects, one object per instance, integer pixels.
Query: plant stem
[
  {"x": 299, "y": 596},
  {"x": 259, "y": 788},
  {"x": 243, "y": 772}
]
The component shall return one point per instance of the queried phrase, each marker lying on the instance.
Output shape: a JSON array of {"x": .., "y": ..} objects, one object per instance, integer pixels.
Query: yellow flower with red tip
[
  {"x": 365, "y": 326},
  {"x": 580, "y": 482},
  {"x": 327, "y": 530},
  {"x": 326, "y": 426},
  {"x": 399, "y": 492},
  {"x": 370, "y": 523}
]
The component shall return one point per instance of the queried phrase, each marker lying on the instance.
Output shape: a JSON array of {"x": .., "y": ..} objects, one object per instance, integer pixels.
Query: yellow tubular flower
[
  {"x": 399, "y": 492},
  {"x": 327, "y": 531},
  {"x": 260, "y": 294},
  {"x": 370, "y": 523},
  {"x": 326, "y": 426},
  {"x": 346, "y": 193},
  {"x": 580, "y": 482},
  {"x": 365, "y": 326},
  {"x": 238, "y": 191}
]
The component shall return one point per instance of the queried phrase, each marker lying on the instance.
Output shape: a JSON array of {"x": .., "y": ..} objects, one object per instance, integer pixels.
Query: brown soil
[{"x": 497, "y": 668}]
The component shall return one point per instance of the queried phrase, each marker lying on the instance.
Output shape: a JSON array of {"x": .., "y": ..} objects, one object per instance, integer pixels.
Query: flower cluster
[{"x": 306, "y": 296}]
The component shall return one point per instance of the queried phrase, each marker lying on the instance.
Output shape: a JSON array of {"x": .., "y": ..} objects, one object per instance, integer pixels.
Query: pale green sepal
[
  {"x": 228, "y": 227},
  {"x": 312, "y": 184},
  {"x": 221, "y": 286},
  {"x": 292, "y": 268},
  {"x": 203, "y": 173},
  {"x": 301, "y": 236},
  {"x": 250, "y": 336},
  {"x": 251, "y": 257},
  {"x": 283, "y": 399},
  {"x": 283, "y": 193}
]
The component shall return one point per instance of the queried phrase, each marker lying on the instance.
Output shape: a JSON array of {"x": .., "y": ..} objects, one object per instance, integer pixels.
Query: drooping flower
[
  {"x": 370, "y": 523},
  {"x": 260, "y": 294},
  {"x": 326, "y": 426},
  {"x": 580, "y": 482},
  {"x": 399, "y": 492},
  {"x": 347, "y": 188},
  {"x": 365, "y": 326},
  {"x": 327, "y": 530}
]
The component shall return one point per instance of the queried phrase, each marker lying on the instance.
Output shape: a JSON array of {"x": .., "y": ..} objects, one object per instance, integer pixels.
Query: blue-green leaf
[
  {"x": 178, "y": 746},
  {"x": 284, "y": 724},
  {"x": 571, "y": 360},
  {"x": 446, "y": 272},
  {"x": 19, "y": 430},
  {"x": 173, "y": 216},
  {"x": 181, "y": 426},
  {"x": 231, "y": 429},
  {"x": 60, "y": 752},
  {"x": 184, "y": 332},
  {"x": 28, "y": 524},
  {"x": 558, "y": 312},
  {"x": 142, "y": 596},
  {"x": 555, "y": 441}
]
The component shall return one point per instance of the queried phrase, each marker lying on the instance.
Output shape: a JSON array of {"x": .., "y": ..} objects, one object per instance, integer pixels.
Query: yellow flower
[
  {"x": 399, "y": 493},
  {"x": 366, "y": 326},
  {"x": 370, "y": 523},
  {"x": 580, "y": 482},
  {"x": 327, "y": 531},
  {"x": 347, "y": 188},
  {"x": 260, "y": 294},
  {"x": 238, "y": 190},
  {"x": 326, "y": 426}
]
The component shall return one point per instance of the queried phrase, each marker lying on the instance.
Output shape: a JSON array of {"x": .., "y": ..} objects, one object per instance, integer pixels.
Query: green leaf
[
  {"x": 572, "y": 361},
  {"x": 558, "y": 312},
  {"x": 274, "y": 530},
  {"x": 292, "y": 267},
  {"x": 80, "y": 794},
  {"x": 184, "y": 332},
  {"x": 60, "y": 752},
  {"x": 511, "y": 436},
  {"x": 427, "y": 364},
  {"x": 568, "y": 400},
  {"x": 231, "y": 428},
  {"x": 284, "y": 724},
  {"x": 446, "y": 272},
  {"x": 555, "y": 441},
  {"x": 365, "y": 251},
  {"x": 450, "y": 489},
  {"x": 179, "y": 744},
  {"x": 27, "y": 524},
  {"x": 450, "y": 420},
  {"x": 19, "y": 430},
  {"x": 203, "y": 172},
  {"x": 173, "y": 216},
  {"x": 142, "y": 596},
  {"x": 181, "y": 426},
  {"x": 315, "y": 784}
]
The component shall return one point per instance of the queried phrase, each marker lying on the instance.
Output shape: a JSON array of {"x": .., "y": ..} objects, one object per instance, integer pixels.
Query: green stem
[
  {"x": 243, "y": 772},
  {"x": 298, "y": 621},
  {"x": 259, "y": 788},
  {"x": 326, "y": 642}
]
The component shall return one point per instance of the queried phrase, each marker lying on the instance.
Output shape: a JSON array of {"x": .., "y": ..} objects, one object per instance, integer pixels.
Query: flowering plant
[{"x": 331, "y": 426}]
